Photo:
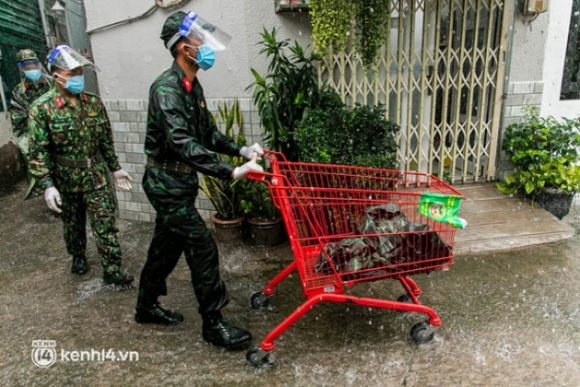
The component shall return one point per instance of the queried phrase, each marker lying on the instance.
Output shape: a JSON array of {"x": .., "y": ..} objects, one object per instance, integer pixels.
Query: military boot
[
  {"x": 119, "y": 279},
  {"x": 220, "y": 333},
  {"x": 79, "y": 265},
  {"x": 151, "y": 312}
]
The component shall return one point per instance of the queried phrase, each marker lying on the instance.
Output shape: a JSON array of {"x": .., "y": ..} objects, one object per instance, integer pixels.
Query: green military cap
[
  {"x": 171, "y": 27},
  {"x": 26, "y": 54}
]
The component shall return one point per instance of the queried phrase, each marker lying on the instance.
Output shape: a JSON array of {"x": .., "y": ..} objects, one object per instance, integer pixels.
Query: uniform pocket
[{"x": 60, "y": 132}]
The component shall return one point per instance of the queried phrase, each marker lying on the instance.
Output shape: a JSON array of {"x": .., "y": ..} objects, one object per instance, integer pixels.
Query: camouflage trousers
[
  {"x": 180, "y": 229},
  {"x": 100, "y": 206}
]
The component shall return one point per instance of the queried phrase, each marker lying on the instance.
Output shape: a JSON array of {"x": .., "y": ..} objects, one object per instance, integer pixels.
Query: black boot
[
  {"x": 220, "y": 333},
  {"x": 153, "y": 313},
  {"x": 79, "y": 265},
  {"x": 119, "y": 279}
]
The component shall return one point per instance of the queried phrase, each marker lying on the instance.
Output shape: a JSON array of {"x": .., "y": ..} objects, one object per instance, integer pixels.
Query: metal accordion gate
[{"x": 440, "y": 76}]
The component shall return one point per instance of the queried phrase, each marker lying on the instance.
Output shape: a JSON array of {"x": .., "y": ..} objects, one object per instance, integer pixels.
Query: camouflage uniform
[
  {"x": 59, "y": 129},
  {"x": 179, "y": 128},
  {"x": 22, "y": 97}
]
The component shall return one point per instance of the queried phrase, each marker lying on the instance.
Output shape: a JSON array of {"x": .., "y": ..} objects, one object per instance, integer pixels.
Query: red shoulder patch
[
  {"x": 187, "y": 85},
  {"x": 85, "y": 97},
  {"x": 59, "y": 102}
]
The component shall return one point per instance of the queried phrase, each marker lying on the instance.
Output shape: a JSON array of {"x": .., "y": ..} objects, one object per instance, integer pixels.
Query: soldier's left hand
[
  {"x": 248, "y": 151},
  {"x": 123, "y": 179}
]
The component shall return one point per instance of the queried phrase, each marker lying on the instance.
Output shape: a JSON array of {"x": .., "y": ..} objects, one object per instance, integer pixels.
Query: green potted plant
[
  {"x": 264, "y": 218},
  {"x": 283, "y": 94},
  {"x": 544, "y": 152},
  {"x": 225, "y": 193},
  {"x": 333, "y": 134}
]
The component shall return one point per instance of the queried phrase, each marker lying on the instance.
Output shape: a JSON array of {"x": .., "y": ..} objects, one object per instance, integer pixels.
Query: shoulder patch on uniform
[
  {"x": 202, "y": 104},
  {"x": 59, "y": 102}
]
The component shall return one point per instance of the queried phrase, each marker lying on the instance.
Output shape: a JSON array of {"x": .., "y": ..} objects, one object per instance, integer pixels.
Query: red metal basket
[{"x": 350, "y": 224}]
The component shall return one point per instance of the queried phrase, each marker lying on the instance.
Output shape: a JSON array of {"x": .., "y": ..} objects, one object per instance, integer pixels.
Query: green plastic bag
[{"x": 442, "y": 208}]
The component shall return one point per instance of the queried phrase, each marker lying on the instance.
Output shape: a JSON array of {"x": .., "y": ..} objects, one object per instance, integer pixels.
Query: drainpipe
[{"x": 44, "y": 23}]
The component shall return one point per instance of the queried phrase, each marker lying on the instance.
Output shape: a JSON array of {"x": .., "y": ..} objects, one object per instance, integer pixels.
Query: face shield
[
  {"x": 65, "y": 58},
  {"x": 32, "y": 71},
  {"x": 196, "y": 28}
]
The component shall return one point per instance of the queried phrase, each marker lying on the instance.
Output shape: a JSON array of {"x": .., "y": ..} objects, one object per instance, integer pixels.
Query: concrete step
[{"x": 498, "y": 222}]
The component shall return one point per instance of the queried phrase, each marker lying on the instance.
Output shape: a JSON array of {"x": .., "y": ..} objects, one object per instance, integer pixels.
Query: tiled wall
[
  {"x": 519, "y": 94},
  {"x": 128, "y": 120}
]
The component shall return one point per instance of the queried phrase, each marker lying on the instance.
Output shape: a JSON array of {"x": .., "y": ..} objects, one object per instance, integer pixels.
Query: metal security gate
[{"x": 440, "y": 76}]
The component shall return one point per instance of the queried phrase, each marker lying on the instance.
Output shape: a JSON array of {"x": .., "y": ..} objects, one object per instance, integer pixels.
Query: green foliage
[
  {"x": 226, "y": 193},
  {"x": 281, "y": 96},
  {"x": 544, "y": 151},
  {"x": 333, "y": 134},
  {"x": 257, "y": 202},
  {"x": 331, "y": 21},
  {"x": 372, "y": 22}
]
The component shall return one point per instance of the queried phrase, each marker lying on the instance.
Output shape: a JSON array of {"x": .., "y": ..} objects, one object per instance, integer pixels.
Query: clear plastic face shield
[
  {"x": 65, "y": 58},
  {"x": 32, "y": 71},
  {"x": 195, "y": 28}
]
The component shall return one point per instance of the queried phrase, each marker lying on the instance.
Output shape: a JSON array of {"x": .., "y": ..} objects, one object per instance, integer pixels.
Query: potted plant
[
  {"x": 263, "y": 216},
  {"x": 283, "y": 94},
  {"x": 333, "y": 134},
  {"x": 544, "y": 152},
  {"x": 225, "y": 193}
]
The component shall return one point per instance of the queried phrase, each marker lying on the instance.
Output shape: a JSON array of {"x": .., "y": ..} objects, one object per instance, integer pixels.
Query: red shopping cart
[{"x": 350, "y": 224}]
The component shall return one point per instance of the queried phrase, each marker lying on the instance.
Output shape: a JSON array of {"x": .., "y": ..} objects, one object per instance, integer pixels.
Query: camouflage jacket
[
  {"x": 180, "y": 127},
  {"x": 22, "y": 97},
  {"x": 78, "y": 133}
]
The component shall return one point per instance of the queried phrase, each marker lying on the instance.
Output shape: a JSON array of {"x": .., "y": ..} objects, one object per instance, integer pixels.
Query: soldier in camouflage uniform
[
  {"x": 35, "y": 82},
  {"x": 71, "y": 154},
  {"x": 181, "y": 139}
]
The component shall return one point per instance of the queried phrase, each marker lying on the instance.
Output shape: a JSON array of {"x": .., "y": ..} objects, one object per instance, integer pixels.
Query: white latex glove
[
  {"x": 52, "y": 199},
  {"x": 123, "y": 179},
  {"x": 248, "y": 151},
  {"x": 240, "y": 172}
]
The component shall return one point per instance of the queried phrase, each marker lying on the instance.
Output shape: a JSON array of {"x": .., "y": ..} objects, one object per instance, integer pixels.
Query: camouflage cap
[
  {"x": 26, "y": 54},
  {"x": 171, "y": 26}
]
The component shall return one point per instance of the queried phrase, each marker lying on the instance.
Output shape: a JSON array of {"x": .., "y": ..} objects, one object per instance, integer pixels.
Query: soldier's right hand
[
  {"x": 240, "y": 172},
  {"x": 52, "y": 198}
]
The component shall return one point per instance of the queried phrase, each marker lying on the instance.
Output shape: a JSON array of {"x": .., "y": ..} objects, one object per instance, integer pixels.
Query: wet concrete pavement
[{"x": 509, "y": 318}]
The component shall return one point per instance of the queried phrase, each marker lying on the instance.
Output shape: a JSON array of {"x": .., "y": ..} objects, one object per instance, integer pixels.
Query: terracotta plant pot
[
  {"x": 229, "y": 232},
  {"x": 556, "y": 202},
  {"x": 267, "y": 233}
]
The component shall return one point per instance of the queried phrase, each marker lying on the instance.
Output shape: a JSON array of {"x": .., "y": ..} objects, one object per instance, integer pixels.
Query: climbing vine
[
  {"x": 332, "y": 21},
  {"x": 372, "y": 22}
]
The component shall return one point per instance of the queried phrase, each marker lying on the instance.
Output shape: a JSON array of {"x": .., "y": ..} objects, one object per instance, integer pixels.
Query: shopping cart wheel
[
  {"x": 422, "y": 333},
  {"x": 260, "y": 301},
  {"x": 258, "y": 358},
  {"x": 405, "y": 298}
]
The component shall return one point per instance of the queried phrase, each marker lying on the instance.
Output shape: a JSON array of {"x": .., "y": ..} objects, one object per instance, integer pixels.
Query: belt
[
  {"x": 82, "y": 163},
  {"x": 170, "y": 165}
]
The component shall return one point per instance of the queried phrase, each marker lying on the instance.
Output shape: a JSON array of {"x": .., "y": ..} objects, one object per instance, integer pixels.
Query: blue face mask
[
  {"x": 205, "y": 56},
  {"x": 33, "y": 75},
  {"x": 75, "y": 84}
]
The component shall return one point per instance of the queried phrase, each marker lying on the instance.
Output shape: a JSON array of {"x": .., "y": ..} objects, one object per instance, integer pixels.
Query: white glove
[
  {"x": 240, "y": 172},
  {"x": 52, "y": 199},
  {"x": 248, "y": 151},
  {"x": 123, "y": 179}
]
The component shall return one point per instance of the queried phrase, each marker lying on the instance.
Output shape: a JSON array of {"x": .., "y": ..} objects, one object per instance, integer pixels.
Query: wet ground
[{"x": 509, "y": 318}]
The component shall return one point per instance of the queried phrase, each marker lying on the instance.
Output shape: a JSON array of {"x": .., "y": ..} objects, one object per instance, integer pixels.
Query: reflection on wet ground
[{"x": 509, "y": 318}]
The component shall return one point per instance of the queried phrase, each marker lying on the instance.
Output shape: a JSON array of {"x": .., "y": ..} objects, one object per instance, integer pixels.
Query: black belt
[
  {"x": 170, "y": 165},
  {"x": 81, "y": 163}
]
